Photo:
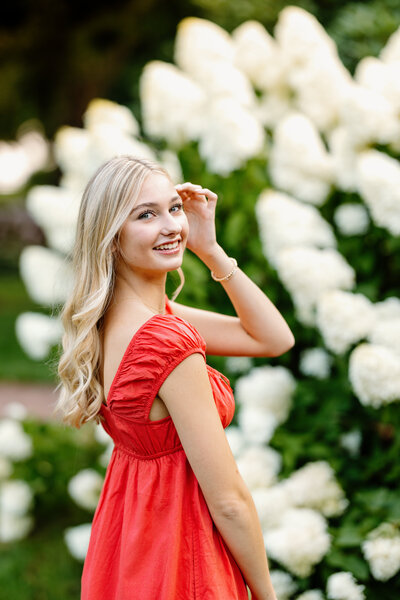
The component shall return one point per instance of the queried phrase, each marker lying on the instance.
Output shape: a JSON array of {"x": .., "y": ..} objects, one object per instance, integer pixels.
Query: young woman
[{"x": 175, "y": 520}]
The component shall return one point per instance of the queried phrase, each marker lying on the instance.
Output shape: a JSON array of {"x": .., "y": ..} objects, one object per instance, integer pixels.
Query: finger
[{"x": 210, "y": 195}]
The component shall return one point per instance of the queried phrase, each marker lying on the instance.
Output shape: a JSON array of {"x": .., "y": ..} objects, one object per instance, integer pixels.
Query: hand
[{"x": 199, "y": 206}]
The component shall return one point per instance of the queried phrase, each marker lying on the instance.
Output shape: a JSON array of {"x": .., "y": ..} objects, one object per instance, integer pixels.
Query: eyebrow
[{"x": 152, "y": 204}]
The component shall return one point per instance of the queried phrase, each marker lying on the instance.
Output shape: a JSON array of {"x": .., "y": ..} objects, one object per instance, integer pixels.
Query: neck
[{"x": 149, "y": 291}]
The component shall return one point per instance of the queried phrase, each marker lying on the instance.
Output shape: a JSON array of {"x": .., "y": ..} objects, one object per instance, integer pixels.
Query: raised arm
[
  {"x": 259, "y": 329},
  {"x": 188, "y": 397}
]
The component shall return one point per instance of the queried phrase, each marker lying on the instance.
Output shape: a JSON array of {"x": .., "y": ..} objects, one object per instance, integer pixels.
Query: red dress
[{"x": 152, "y": 535}]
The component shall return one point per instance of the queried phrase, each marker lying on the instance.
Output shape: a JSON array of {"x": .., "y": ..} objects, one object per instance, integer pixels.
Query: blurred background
[{"x": 291, "y": 112}]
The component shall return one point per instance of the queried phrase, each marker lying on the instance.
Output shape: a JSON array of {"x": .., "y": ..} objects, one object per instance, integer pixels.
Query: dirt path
[{"x": 38, "y": 399}]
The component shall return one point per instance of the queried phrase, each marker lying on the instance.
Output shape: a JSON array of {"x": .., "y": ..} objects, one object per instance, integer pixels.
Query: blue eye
[{"x": 148, "y": 213}]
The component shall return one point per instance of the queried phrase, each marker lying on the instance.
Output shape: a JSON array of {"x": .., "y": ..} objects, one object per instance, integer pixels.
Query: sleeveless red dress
[{"x": 152, "y": 535}]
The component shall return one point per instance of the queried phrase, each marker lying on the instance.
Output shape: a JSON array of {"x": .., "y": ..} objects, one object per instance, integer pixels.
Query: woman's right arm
[{"x": 188, "y": 397}]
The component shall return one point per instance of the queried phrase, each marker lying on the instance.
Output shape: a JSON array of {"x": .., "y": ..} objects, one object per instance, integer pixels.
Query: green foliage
[
  {"x": 40, "y": 567},
  {"x": 363, "y": 28},
  {"x": 323, "y": 410},
  {"x": 229, "y": 14}
]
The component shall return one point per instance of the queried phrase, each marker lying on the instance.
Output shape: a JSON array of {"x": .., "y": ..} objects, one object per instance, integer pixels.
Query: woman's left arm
[{"x": 259, "y": 329}]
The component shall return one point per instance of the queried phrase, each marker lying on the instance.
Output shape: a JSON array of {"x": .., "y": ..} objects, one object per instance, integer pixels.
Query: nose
[{"x": 171, "y": 224}]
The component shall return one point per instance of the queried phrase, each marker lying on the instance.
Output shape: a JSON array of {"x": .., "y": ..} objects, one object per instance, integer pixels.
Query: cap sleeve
[{"x": 160, "y": 345}]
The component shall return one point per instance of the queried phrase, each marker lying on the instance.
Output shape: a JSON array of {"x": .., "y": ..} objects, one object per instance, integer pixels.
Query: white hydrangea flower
[
  {"x": 351, "y": 442},
  {"x": 238, "y": 364},
  {"x": 387, "y": 309},
  {"x": 258, "y": 56},
  {"x": 223, "y": 80},
  {"x": 77, "y": 540},
  {"x": 374, "y": 373},
  {"x": 46, "y": 275},
  {"x": 15, "y": 410},
  {"x": 257, "y": 424},
  {"x": 230, "y": 136},
  {"x": 85, "y": 488},
  {"x": 351, "y": 219},
  {"x": 308, "y": 272},
  {"x": 314, "y": 486},
  {"x": 235, "y": 439},
  {"x": 271, "y": 504},
  {"x": 101, "y": 112},
  {"x": 300, "y": 542},
  {"x": 273, "y": 106},
  {"x": 14, "y": 167},
  {"x": 35, "y": 146},
  {"x": 15, "y": 444},
  {"x": 343, "y": 319},
  {"x": 311, "y": 595},
  {"x": 205, "y": 52},
  {"x": 299, "y": 163},
  {"x": 259, "y": 466},
  {"x": 15, "y": 527},
  {"x": 300, "y": 36},
  {"x": 382, "y": 551},
  {"x": 101, "y": 435},
  {"x": 268, "y": 388},
  {"x": 172, "y": 104},
  {"x": 105, "y": 457},
  {"x": 107, "y": 142},
  {"x": 378, "y": 177},
  {"x": 37, "y": 333},
  {"x": 344, "y": 152},
  {"x": 198, "y": 40},
  {"x": 283, "y": 584},
  {"x": 390, "y": 53},
  {"x": 315, "y": 72},
  {"x": 170, "y": 161},
  {"x": 20, "y": 159},
  {"x": 380, "y": 77},
  {"x": 284, "y": 221},
  {"x": 315, "y": 362},
  {"x": 343, "y": 586},
  {"x": 15, "y": 497},
  {"x": 79, "y": 152},
  {"x": 368, "y": 116},
  {"x": 386, "y": 332},
  {"x": 72, "y": 151},
  {"x": 56, "y": 211},
  {"x": 6, "y": 467}
]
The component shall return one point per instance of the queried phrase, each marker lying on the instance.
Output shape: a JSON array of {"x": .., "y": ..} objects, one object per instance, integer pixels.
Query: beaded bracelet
[{"x": 234, "y": 269}]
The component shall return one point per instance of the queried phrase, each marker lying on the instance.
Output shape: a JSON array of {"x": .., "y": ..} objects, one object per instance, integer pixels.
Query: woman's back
[
  {"x": 152, "y": 533},
  {"x": 120, "y": 324}
]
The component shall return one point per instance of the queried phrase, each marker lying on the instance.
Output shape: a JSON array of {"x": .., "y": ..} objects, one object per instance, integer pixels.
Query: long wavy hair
[{"x": 106, "y": 204}]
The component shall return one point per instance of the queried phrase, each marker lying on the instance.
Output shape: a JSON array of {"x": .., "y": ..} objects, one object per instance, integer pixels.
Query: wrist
[
  {"x": 213, "y": 257},
  {"x": 211, "y": 254}
]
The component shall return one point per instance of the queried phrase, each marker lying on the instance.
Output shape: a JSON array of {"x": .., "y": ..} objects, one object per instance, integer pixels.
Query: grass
[
  {"x": 40, "y": 567},
  {"x": 15, "y": 365}
]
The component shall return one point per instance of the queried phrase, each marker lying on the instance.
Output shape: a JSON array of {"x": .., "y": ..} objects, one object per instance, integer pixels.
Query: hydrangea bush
[{"x": 304, "y": 158}]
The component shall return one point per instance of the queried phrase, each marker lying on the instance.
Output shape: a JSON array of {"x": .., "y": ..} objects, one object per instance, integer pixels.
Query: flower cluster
[
  {"x": 16, "y": 495},
  {"x": 292, "y": 511},
  {"x": 109, "y": 130},
  {"x": 382, "y": 551}
]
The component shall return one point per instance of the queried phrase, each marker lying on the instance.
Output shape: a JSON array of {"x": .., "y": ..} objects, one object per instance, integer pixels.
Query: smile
[{"x": 169, "y": 248}]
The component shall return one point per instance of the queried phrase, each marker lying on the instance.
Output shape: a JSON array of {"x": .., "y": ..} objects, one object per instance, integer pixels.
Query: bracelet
[{"x": 227, "y": 277}]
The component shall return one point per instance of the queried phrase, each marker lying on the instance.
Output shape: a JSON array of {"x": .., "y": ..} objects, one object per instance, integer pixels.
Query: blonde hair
[{"x": 106, "y": 204}]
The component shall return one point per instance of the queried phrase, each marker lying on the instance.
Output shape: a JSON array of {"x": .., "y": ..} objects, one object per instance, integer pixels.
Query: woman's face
[{"x": 154, "y": 235}]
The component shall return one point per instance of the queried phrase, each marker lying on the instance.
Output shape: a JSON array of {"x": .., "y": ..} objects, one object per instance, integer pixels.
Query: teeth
[{"x": 167, "y": 246}]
